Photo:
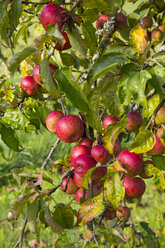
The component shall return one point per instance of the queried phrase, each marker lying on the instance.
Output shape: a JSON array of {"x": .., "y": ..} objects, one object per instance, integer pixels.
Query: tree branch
[{"x": 20, "y": 240}]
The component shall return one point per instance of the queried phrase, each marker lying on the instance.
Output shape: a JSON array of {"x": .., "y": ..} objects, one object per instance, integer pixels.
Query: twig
[
  {"x": 50, "y": 153},
  {"x": 35, "y": 3},
  {"x": 62, "y": 106},
  {"x": 20, "y": 240},
  {"x": 151, "y": 93}
]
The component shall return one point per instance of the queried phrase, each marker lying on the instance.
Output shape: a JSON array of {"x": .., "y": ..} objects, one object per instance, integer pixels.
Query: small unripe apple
[
  {"x": 162, "y": 28},
  {"x": 100, "y": 154},
  {"x": 83, "y": 163},
  {"x": 146, "y": 22},
  {"x": 108, "y": 120},
  {"x": 78, "y": 179},
  {"x": 123, "y": 213},
  {"x": 100, "y": 21},
  {"x": 131, "y": 161},
  {"x": 99, "y": 173},
  {"x": 29, "y": 86},
  {"x": 157, "y": 36},
  {"x": 51, "y": 14},
  {"x": 71, "y": 186},
  {"x": 36, "y": 73},
  {"x": 157, "y": 149},
  {"x": 86, "y": 142},
  {"x": 66, "y": 45},
  {"x": 121, "y": 21},
  {"x": 78, "y": 150},
  {"x": 70, "y": 128},
  {"x": 80, "y": 193},
  {"x": 134, "y": 120},
  {"x": 52, "y": 119},
  {"x": 134, "y": 186},
  {"x": 160, "y": 116}
]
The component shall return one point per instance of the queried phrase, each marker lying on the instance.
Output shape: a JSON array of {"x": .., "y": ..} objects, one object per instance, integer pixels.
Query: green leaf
[
  {"x": 70, "y": 87},
  {"x": 47, "y": 79},
  {"x": 152, "y": 103},
  {"x": 42, "y": 112},
  {"x": 32, "y": 213},
  {"x": 9, "y": 137},
  {"x": 158, "y": 74},
  {"x": 67, "y": 239},
  {"x": 15, "y": 13},
  {"x": 87, "y": 176},
  {"x": 89, "y": 41},
  {"x": 112, "y": 133},
  {"x": 104, "y": 64},
  {"x": 90, "y": 15},
  {"x": 143, "y": 142},
  {"x": 51, "y": 222},
  {"x": 137, "y": 85},
  {"x": 76, "y": 43},
  {"x": 160, "y": 58},
  {"x": 90, "y": 209},
  {"x": 20, "y": 32},
  {"x": 159, "y": 161},
  {"x": 19, "y": 57},
  {"x": 33, "y": 118},
  {"x": 64, "y": 215},
  {"x": 114, "y": 192},
  {"x": 158, "y": 180}
]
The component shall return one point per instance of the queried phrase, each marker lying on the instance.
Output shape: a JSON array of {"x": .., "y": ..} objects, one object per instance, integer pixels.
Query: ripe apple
[
  {"x": 157, "y": 36},
  {"x": 146, "y": 22},
  {"x": 70, "y": 128},
  {"x": 123, "y": 213},
  {"x": 36, "y": 73},
  {"x": 78, "y": 150},
  {"x": 157, "y": 149},
  {"x": 160, "y": 116},
  {"x": 66, "y": 45},
  {"x": 108, "y": 120},
  {"x": 51, "y": 14},
  {"x": 99, "y": 173},
  {"x": 121, "y": 21},
  {"x": 86, "y": 142},
  {"x": 100, "y": 154},
  {"x": 131, "y": 161},
  {"x": 134, "y": 186},
  {"x": 100, "y": 21},
  {"x": 79, "y": 194},
  {"x": 78, "y": 179},
  {"x": 71, "y": 186},
  {"x": 52, "y": 119},
  {"x": 83, "y": 163},
  {"x": 29, "y": 85},
  {"x": 134, "y": 120}
]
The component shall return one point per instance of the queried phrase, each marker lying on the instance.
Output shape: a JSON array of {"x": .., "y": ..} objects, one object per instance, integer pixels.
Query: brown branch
[
  {"x": 50, "y": 153},
  {"x": 37, "y": 3},
  {"x": 20, "y": 240}
]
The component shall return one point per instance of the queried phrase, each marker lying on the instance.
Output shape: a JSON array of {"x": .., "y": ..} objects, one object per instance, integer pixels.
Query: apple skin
[
  {"x": 146, "y": 22},
  {"x": 160, "y": 133},
  {"x": 71, "y": 186},
  {"x": 70, "y": 128},
  {"x": 134, "y": 120},
  {"x": 160, "y": 116},
  {"x": 51, "y": 14},
  {"x": 78, "y": 179},
  {"x": 123, "y": 213},
  {"x": 36, "y": 73},
  {"x": 83, "y": 163},
  {"x": 131, "y": 161},
  {"x": 134, "y": 186},
  {"x": 66, "y": 45},
  {"x": 78, "y": 150},
  {"x": 100, "y": 21},
  {"x": 29, "y": 85},
  {"x": 52, "y": 119},
  {"x": 108, "y": 120},
  {"x": 79, "y": 195},
  {"x": 100, "y": 154},
  {"x": 143, "y": 174},
  {"x": 157, "y": 149},
  {"x": 121, "y": 21},
  {"x": 99, "y": 173},
  {"x": 86, "y": 142}
]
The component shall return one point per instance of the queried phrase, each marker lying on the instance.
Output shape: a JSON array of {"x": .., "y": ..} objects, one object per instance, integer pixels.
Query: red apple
[
  {"x": 157, "y": 36},
  {"x": 36, "y": 73},
  {"x": 108, "y": 120},
  {"x": 83, "y": 163},
  {"x": 157, "y": 149},
  {"x": 146, "y": 22},
  {"x": 121, "y": 21},
  {"x": 99, "y": 173},
  {"x": 71, "y": 186},
  {"x": 123, "y": 213},
  {"x": 51, "y": 14},
  {"x": 160, "y": 116},
  {"x": 78, "y": 150},
  {"x": 70, "y": 128},
  {"x": 131, "y": 161},
  {"x": 78, "y": 180},
  {"x": 86, "y": 142},
  {"x": 100, "y": 154},
  {"x": 29, "y": 85},
  {"x": 134, "y": 120},
  {"x": 79, "y": 194},
  {"x": 66, "y": 45},
  {"x": 134, "y": 186},
  {"x": 52, "y": 119},
  {"x": 100, "y": 21}
]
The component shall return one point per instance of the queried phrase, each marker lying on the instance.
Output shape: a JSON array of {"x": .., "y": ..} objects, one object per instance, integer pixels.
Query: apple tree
[{"x": 92, "y": 73}]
